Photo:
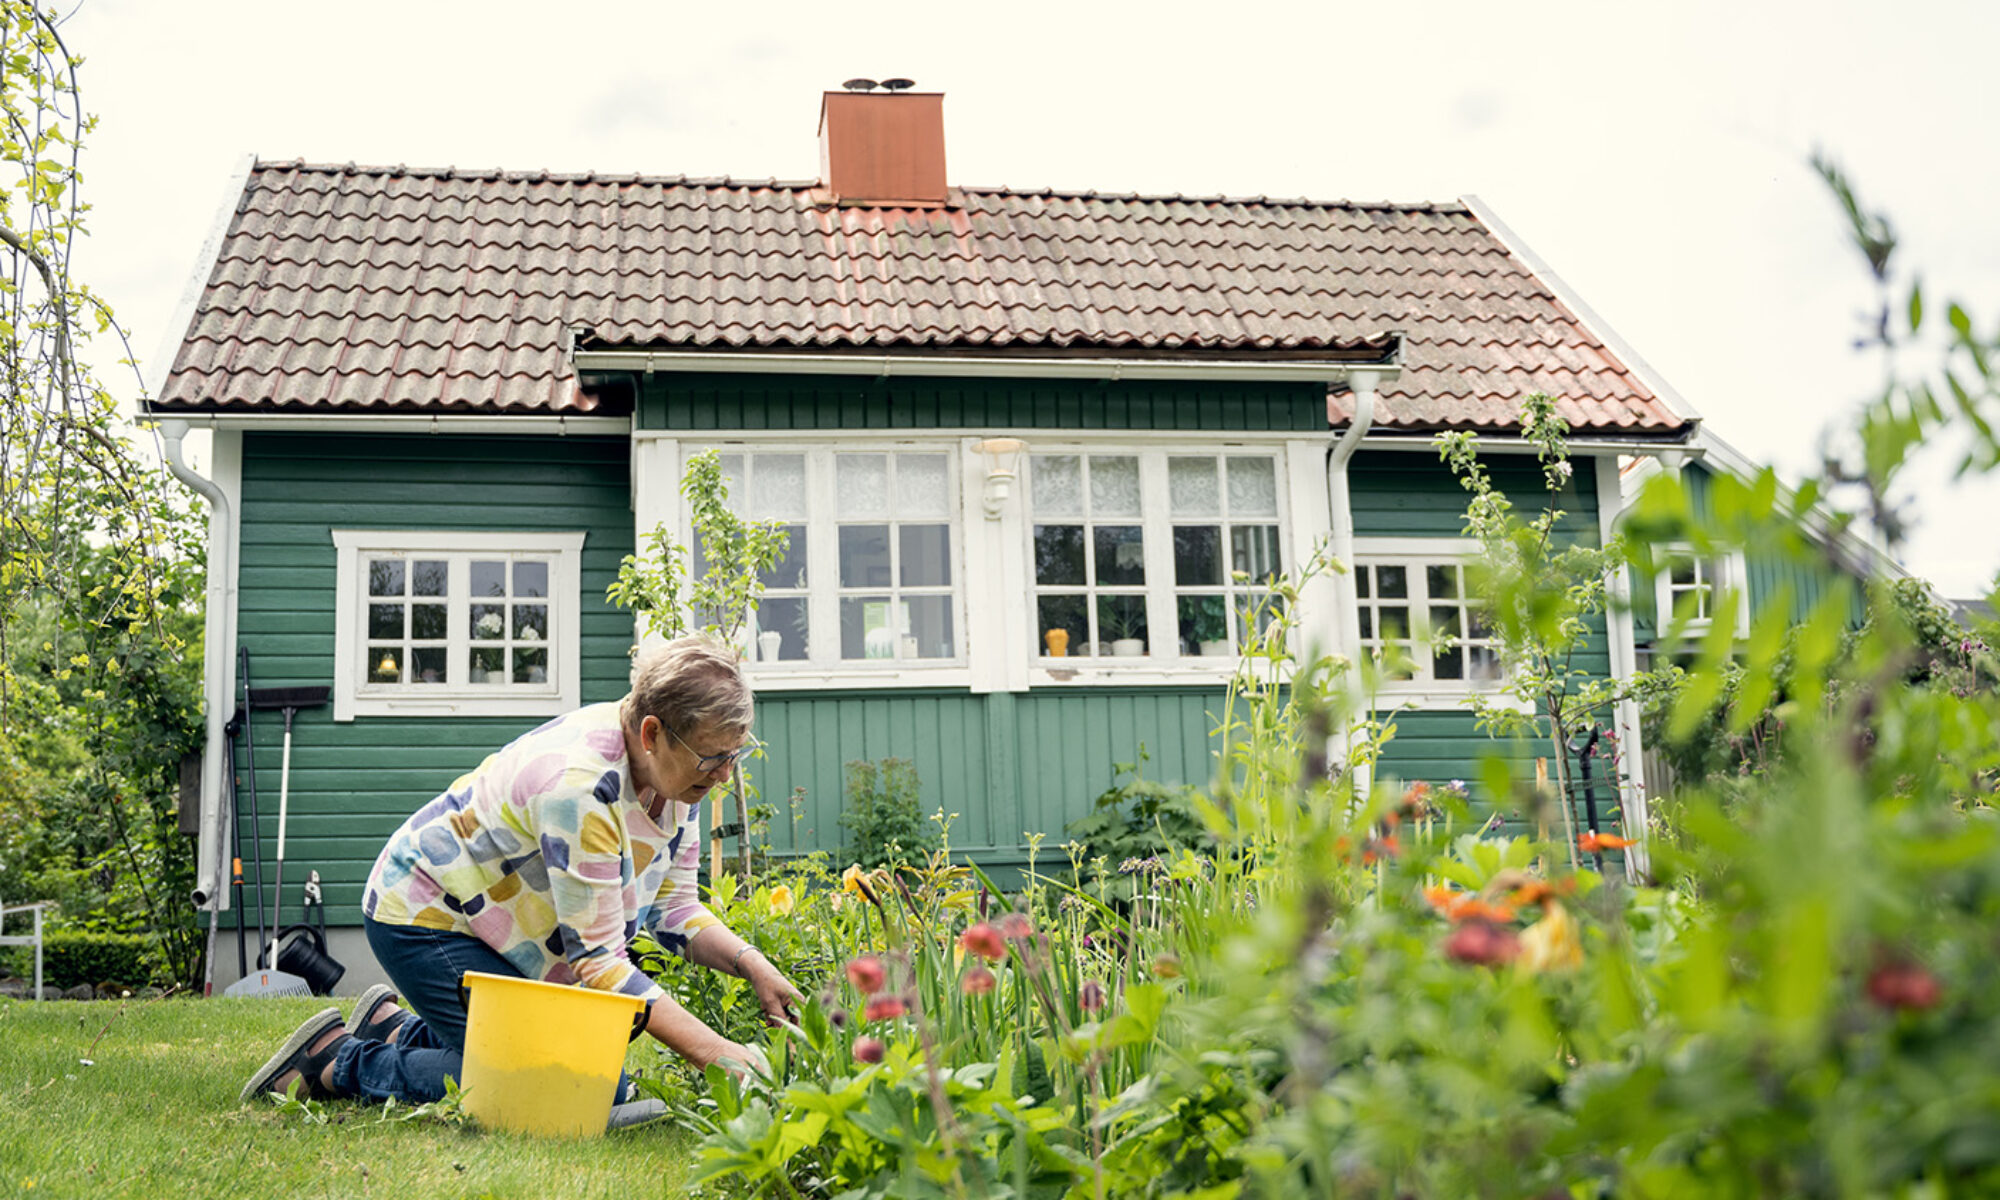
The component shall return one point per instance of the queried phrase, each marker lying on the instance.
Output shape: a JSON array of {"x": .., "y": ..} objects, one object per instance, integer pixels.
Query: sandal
[
  {"x": 378, "y": 1031},
  {"x": 295, "y": 1055}
]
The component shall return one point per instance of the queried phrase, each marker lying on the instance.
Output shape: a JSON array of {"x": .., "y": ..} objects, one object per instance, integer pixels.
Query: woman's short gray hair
[{"x": 689, "y": 683}]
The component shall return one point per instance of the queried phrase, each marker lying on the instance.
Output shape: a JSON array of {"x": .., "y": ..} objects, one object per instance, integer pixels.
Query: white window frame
[
  {"x": 354, "y": 696},
  {"x": 1414, "y": 554},
  {"x": 1726, "y": 571},
  {"x": 1163, "y": 661},
  {"x": 823, "y": 666}
]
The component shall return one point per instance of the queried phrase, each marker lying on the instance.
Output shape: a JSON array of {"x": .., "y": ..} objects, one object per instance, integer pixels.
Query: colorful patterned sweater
[{"x": 546, "y": 854}]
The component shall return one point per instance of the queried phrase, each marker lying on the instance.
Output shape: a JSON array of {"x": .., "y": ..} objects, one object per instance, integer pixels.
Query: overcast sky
[{"x": 1657, "y": 161}]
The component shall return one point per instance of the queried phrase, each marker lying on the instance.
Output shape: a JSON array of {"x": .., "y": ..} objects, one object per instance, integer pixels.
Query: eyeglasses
[{"x": 709, "y": 764}]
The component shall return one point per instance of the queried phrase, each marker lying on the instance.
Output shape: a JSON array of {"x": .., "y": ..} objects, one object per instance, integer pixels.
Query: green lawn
[{"x": 157, "y": 1117}]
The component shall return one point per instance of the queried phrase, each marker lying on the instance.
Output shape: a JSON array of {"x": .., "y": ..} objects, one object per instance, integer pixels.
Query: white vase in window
[
  {"x": 909, "y": 645},
  {"x": 1128, "y": 648},
  {"x": 1219, "y": 649},
  {"x": 768, "y": 644}
]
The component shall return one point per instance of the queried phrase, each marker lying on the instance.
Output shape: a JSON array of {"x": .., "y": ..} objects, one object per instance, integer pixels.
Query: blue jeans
[{"x": 427, "y": 967}]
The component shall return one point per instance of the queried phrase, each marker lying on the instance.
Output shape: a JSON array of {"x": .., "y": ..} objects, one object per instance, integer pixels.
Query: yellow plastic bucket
[{"x": 543, "y": 1058}]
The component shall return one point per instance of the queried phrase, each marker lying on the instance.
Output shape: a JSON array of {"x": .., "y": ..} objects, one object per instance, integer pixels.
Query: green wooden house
[{"x": 1033, "y": 449}]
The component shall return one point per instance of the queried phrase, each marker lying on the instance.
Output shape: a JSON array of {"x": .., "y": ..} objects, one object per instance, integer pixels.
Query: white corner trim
[
  {"x": 564, "y": 642},
  {"x": 182, "y": 322},
  {"x": 1675, "y": 402}
]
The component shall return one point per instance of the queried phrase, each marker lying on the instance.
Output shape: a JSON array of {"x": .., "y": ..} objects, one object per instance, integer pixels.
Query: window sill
[
  {"x": 1132, "y": 672},
  {"x": 765, "y": 678},
  {"x": 458, "y": 704}
]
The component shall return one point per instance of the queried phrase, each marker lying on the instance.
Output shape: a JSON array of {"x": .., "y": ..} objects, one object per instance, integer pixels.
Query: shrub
[
  {"x": 883, "y": 820},
  {"x": 71, "y": 957}
]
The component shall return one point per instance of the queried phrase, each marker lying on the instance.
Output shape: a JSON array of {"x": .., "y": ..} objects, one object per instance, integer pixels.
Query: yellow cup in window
[{"x": 1058, "y": 640}]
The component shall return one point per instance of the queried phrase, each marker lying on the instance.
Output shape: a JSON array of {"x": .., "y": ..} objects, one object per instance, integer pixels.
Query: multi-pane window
[
  {"x": 456, "y": 619},
  {"x": 870, "y": 573},
  {"x": 1089, "y": 555},
  {"x": 482, "y": 617},
  {"x": 894, "y": 524},
  {"x": 1697, "y": 590},
  {"x": 1226, "y": 546},
  {"x": 1690, "y": 587},
  {"x": 1423, "y": 622}
]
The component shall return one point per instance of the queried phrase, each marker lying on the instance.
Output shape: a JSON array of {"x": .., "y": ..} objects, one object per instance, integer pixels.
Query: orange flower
[
  {"x": 1598, "y": 843},
  {"x": 1532, "y": 892},
  {"x": 1472, "y": 908},
  {"x": 1442, "y": 897},
  {"x": 1383, "y": 847}
]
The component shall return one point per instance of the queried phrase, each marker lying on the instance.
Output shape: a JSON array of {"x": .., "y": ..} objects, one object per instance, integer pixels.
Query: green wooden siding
[
  {"x": 701, "y": 402},
  {"x": 352, "y": 783},
  {"x": 1006, "y": 764},
  {"x": 1409, "y": 493}
]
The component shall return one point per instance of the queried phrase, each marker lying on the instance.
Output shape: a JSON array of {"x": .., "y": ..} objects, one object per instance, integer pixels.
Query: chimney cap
[
  {"x": 899, "y": 84},
  {"x": 860, "y": 85}
]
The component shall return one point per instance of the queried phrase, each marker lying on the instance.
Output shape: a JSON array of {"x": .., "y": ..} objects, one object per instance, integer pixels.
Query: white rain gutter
[
  {"x": 210, "y": 879},
  {"x": 886, "y": 366},
  {"x": 1347, "y": 608},
  {"x": 290, "y": 422}
]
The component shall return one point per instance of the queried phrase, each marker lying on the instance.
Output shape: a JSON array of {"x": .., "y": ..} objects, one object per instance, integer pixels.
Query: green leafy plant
[
  {"x": 884, "y": 821},
  {"x": 738, "y": 554},
  {"x": 1135, "y": 826},
  {"x": 1543, "y": 590}
]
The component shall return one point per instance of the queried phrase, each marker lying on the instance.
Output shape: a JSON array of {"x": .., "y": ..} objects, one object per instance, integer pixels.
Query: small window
[
  {"x": 1420, "y": 618},
  {"x": 1693, "y": 590},
  {"x": 455, "y": 623}
]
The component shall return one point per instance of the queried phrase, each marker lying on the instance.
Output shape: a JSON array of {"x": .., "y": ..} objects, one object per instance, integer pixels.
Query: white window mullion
[
  {"x": 1155, "y": 503},
  {"x": 822, "y": 561}
]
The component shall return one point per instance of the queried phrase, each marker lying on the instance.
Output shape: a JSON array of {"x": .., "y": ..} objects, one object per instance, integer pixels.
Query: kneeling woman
[{"x": 542, "y": 863}]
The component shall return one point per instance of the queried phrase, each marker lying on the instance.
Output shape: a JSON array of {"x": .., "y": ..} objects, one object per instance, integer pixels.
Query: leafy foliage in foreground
[{"x": 1366, "y": 994}]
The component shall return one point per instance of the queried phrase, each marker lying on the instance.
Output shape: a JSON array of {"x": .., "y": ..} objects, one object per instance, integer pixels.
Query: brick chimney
[{"x": 884, "y": 149}]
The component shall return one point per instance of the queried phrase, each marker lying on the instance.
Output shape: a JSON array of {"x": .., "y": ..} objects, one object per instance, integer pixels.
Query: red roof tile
[{"x": 400, "y": 289}]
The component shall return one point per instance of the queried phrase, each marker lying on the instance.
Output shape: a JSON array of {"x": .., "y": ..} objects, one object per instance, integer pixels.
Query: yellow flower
[
  {"x": 781, "y": 900},
  {"x": 850, "y": 879},
  {"x": 1553, "y": 943}
]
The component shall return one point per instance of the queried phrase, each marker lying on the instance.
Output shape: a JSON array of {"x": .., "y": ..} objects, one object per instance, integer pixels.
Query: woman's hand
[{"x": 775, "y": 993}]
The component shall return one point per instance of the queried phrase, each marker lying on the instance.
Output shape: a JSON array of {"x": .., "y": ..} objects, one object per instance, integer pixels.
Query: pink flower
[
  {"x": 985, "y": 941},
  {"x": 1016, "y": 926},
  {"x": 1091, "y": 997},
  {"x": 868, "y": 1050},
  {"x": 977, "y": 982},
  {"x": 1898, "y": 985},
  {"x": 865, "y": 974},
  {"x": 1481, "y": 943},
  {"x": 884, "y": 1008}
]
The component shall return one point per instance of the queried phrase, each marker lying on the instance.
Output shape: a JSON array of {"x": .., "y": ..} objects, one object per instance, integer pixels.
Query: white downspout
[
  {"x": 211, "y": 889},
  {"x": 1347, "y": 608},
  {"x": 1624, "y": 665}
]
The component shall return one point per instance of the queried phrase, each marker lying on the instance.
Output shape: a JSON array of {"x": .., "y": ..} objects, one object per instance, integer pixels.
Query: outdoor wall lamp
[{"x": 1003, "y": 466}]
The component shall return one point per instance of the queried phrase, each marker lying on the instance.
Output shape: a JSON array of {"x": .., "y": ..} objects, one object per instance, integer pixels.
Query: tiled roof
[{"x": 393, "y": 289}]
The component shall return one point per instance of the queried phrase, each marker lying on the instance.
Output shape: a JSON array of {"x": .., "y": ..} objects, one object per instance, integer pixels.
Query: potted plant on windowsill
[
  {"x": 1209, "y": 626},
  {"x": 1124, "y": 627}
]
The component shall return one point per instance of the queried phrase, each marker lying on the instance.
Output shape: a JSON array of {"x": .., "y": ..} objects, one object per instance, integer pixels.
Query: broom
[{"x": 290, "y": 701}]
